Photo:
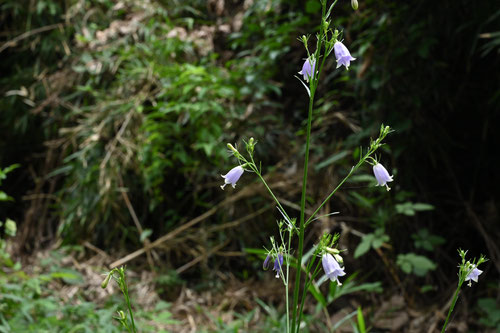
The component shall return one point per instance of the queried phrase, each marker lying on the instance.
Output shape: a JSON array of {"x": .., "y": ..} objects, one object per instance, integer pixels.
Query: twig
[
  {"x": 164, "y": 238},
  {"x": 95, "y": 249},
  {"x": 29, "y": 34},
  {"x": 200, "y": 258},
  {"x": 246, "y": 192},
  {"x": 137, "y": 224}
]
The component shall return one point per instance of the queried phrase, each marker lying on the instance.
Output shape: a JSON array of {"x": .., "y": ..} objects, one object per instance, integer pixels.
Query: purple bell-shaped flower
[
  {"x": 382, "y": 175},
  {"x": 232, "y": 176},
  {"x": 342, "y": 55},
  {"x": 332, "y": 268},
  {"x": 473, "y": 275},
  {"x": 278, "y": 263},
  {"x": 308, "y": 69}
]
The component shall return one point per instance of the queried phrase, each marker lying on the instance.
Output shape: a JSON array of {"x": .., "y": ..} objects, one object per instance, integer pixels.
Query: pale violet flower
[
  {"x": 265, "y": 266},
  {"x": 332, "y": 268},
  {"x": 473, "y": 275},
  {"x": 342, "y": 54},
  {"x": 382, "y": 175},
  {"x": 308, "y": 69},
  {"x": 232, "y": 176},
  {"x": 278, "y": 263}
]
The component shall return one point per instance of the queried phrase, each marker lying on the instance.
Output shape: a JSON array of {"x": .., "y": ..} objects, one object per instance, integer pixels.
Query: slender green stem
[
  {"x": 333, "y": 192},
  {"x": 253, "y": 166},
  {"x": 290, "y": 231},
  {"x": 353, "y": 169},
  {"x": 313, "y": 85},
  {"x": 302, "y": 215},
  {"x": 455, "y": 298},
  {"x": 307, "y": 283},
  {"x": 130, "y": 312},
  {"x": 127, "y": 299}
]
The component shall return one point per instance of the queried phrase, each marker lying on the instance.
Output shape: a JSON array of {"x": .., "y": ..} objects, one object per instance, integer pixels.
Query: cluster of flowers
[
  {"x": 278, "y": 263},
  {"x": 342, "y": 55},
  {"x": 330, "y": 262}
]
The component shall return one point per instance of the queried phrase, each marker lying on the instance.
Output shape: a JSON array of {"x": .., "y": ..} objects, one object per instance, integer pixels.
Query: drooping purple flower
[
  {"x": 342, "y": 55},
  {"x": 308, "y": 69},
  {"x": 382, "y": 175},
  {"x": 332, "y": 268},
  {"x": 278, "y": 263},
  {"x": 232, "y": 176},
  {"x": 473, "y": 275},
  {"x": 265, "y": 266}
]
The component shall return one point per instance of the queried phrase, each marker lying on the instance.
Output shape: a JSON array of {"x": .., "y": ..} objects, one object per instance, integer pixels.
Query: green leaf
[
  {"x": 67, "y": 275},
  {"x": 410, "y": 208},
  {"x": 418, "y": 206},
  {"x": 5, "y": 197},
  {"x": 317, "y": 295},
  {"x": 10, "y": 227},
  {"x": 332, "y": 159},
  {"x": 361, "y": 321},
  {"x": 416, "y": 264},
  {"x": 364, "y": 246}
]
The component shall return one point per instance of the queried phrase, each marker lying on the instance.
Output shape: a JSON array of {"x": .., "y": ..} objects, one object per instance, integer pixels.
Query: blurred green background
[{"x": 117, "y": 114}]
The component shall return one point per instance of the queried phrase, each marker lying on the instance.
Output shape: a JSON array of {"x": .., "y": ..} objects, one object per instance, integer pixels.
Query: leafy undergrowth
[{"x": 60, "y": 291}]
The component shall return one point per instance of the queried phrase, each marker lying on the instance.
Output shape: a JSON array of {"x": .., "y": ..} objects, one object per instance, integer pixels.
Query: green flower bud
[
  {"x": 251, "y": 145},
  {"x": 354, "y": 4},
  {"x": 332, "y": 251},
  {"x": 231, "y": 147},
  {"x": 104, "y": 283},
  {"x": 338, "y": 258},
  {"x": 122, "y": 315}
]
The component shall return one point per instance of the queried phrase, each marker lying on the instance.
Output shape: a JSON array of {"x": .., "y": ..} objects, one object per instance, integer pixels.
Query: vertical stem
[
  {"x": 308, "y": 280},
  {"x": 302, "y": 213},
  {"x": 314, "y": 84},
  {"x": 455, "y": 298},
  {"x": 127, "y": 299},
  {"x": 290, "y": 231}
]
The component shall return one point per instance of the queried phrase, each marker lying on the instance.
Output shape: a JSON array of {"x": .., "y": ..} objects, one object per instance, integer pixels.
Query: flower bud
[
  {"x": 332, "y": 250},
  {"x": 104, "y": 283},
  {"x": 354, "y": 4},
  {"x": 251, "y": 145},
  {"x": 122, "y": 315},
  {"x": 338, "y": 258},
  {"x": 231, "y": 147}
]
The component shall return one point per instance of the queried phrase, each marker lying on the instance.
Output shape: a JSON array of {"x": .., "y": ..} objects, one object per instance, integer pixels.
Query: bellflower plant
[
  {"x": 278, "y": 263},
  {"x": 265, "y": 265},
  {"x": 118, "y": 274},
  {"x": 232, "y": 176},
  {"x": 308, "y": 69},
  {"x": 342, "y": 54},
  {"x": 324, "y": 253},
  {"x": 473, "y": 276},
  {"x": 468, "y": 271},
  {"x": 382, "y": 175},
  {"x": 332, "y": 268}
]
